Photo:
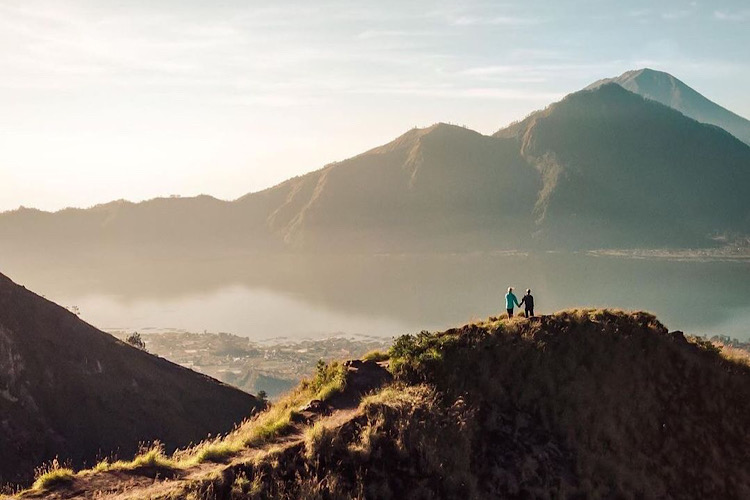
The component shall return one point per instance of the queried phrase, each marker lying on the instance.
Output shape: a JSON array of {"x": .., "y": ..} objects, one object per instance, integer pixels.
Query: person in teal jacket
[{"x": 510, "y": 300}]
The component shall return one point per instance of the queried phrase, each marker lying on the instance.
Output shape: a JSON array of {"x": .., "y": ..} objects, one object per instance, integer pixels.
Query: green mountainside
[{"x": 621, "y": 170}]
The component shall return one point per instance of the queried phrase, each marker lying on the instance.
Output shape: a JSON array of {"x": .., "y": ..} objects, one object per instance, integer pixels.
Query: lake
[{"x": 299, "y": 297}]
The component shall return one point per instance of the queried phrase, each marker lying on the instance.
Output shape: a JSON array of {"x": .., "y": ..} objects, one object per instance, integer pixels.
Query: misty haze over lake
[{"x": 302, "y": 297}]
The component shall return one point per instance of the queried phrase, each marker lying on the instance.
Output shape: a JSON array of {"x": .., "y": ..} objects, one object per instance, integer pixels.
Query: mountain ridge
[{"x": 566, "y": 177}]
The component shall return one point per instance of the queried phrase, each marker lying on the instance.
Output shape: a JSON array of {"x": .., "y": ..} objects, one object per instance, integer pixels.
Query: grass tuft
[
  {"x": 376, "y": 356},
  {"x": 317, "y": 438},
  {"x": 52, "y": 476},
  {"x": 216, "y": 451},
  {"x": 150, "y": 457}
]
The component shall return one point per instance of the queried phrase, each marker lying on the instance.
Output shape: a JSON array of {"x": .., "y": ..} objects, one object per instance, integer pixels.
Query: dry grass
[
  {"x": 398, "y": 396},
  {"x": 735, "y": 354},
  {"x": 275, "y": 421},
  {"x": 317, "y": 437}
]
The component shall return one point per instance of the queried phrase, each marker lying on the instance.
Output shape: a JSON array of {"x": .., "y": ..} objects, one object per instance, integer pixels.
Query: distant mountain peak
[
  {"x": 438, "y": 128},
  {"x": 647, "y": 72},
  {"x": 671, "y": 91}
]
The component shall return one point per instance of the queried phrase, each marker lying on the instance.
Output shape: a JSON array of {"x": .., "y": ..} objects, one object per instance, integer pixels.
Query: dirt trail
[{"x": 362, "y": 377}]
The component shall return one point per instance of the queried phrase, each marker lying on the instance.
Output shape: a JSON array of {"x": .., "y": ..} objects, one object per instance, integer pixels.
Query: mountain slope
[
  {"x": 621, "y": 170},
  {"x": 70, "y": 390},
  {"x": 668, "y": 90},
  {"x": 580, "y": 404},
  {"x": 443, "y": 185}
]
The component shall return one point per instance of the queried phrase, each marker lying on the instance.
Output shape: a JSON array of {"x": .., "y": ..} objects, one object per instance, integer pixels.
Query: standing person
[
  {"x": 510, "y": 300},
  {"x": 528, "y": 304}
]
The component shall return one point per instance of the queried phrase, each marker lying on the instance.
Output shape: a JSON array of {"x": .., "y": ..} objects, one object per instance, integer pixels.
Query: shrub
[
  {"x": 705, "y": 344},
  {"x": 330, "y": 378},
  {"x": 135, "y": 340}
]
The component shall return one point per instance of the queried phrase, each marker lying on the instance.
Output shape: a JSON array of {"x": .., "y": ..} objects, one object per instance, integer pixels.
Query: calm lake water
[{"x": 385, "y": 296}]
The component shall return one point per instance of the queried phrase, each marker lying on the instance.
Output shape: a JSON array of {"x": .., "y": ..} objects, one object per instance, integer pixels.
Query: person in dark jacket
[{"x": 528, "y": 304}]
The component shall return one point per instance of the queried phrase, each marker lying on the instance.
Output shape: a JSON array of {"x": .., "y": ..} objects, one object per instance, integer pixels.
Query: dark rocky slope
[{"x": 68, "y": 390}]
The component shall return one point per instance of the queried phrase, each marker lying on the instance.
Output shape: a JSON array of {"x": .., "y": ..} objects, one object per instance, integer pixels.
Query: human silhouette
[{"x": 528, "y": 304}]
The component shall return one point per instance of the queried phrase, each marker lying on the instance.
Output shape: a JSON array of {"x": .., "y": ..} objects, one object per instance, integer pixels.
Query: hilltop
[
  {"x": 583, "y": 403},
  {"x": 68, "y": 390}
]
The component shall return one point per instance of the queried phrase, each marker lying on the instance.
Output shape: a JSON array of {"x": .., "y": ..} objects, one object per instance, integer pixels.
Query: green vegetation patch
[
  {"x": 152, "y": 457},
  {"x": 219, "y": 450},
  {"x": 53, "y": 478},
  {"x": 329, "y": 379},
  {"x": 376, "y": 356}
]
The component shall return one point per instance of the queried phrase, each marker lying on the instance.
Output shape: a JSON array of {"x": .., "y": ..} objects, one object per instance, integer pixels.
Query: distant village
[{"x": 273, "y": 367}]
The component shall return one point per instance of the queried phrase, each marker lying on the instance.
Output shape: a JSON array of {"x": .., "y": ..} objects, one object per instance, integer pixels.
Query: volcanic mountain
[
  {"x": 670, "y": 91},
  {"x": 604, "y": 167},
  {"x": 621, "y": 170},
  {"x": 68, "y": 390}
]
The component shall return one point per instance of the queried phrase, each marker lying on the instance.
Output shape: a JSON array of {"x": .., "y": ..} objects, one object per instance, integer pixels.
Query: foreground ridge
[{"x": 577, "y": 404}]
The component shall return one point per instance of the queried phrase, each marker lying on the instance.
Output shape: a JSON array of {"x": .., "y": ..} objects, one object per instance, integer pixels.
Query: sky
[{"x": 133, "y": 99}]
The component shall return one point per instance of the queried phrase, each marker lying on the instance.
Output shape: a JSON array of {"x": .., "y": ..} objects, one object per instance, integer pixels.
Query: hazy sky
[{"x": 108, "y": 99}]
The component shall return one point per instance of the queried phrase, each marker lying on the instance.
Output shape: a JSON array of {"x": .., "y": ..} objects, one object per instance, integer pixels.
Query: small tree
[{"x": 135, "y": 340}]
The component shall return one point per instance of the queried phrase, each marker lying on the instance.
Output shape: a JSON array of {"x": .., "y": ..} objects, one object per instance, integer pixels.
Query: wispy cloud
[
  {"x": 649, "y": 15},
  {"x": 544, "y": 71},
  {"x": 682, "y": 13},
  {"x": 443, "y": 92},
  {"x": 733, "y": 16},
  {"x": 380, "y": 34},
  {"x": 675, "y": 15},
  {"x": 639, "y": 13},
  {"x": 497, "y": 21}
]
